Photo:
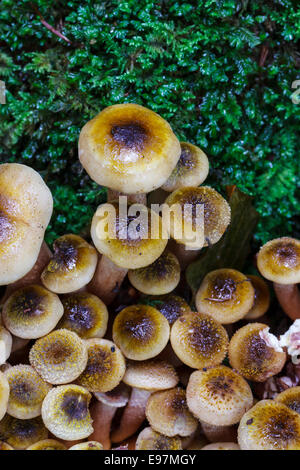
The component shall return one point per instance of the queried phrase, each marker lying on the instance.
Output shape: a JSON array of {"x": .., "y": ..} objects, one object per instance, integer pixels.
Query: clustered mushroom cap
[
  {"x": 190, "y": 170},
  {"x": 5, "y": 344},
  {"x": 222, "y": 446},
  {"x": 290, "y": 398},
  {"x": 261, "y": 298},
  {"x": 148, "y": 439},
  {"x": 279, "y": 260},
  {"x": 5, "y": 446},
  {"x": 170, "y": 305},
  {"x": 26, "y": 206},
  {"x": 160, "y": 277},
  {"x": 128, "y": 148},
  {"x": 152, "y": 375},
  {"x": 225, "y": 294},
  {"x": 32, "y": 312},
  {"x": 22, "y": 433},
  {"x": 89, "y": 445},
  {"x": 47, "y": 444},
  {"x": 4, "y": 394}
]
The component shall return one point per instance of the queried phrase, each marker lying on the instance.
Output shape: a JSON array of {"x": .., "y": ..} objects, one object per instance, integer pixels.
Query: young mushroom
[
  {"x": 4, "y": 394},
  {"x": 290, "y": 398},
  {"x": 32, "y": 312},
  {"x": 47, "y": 444},
  {"x": 26, "y": 206},
  {"x": 218, "y": 396},
  {"x": 148, "y": 439},
  {"x": 279, "y": 261},
  {"x": 141, "y": 332},
  {"x": 72, "y": 266},
  {"x": 255, "y": 353},
  {"x": 160, "y": 277},
  {"x": 225, "y": 294},
  {"x": 261, "y": 298},
  {"x": 22, "y": 433},
  {"x": 269, "y": 425},
  {"x": 60, "y": 357},
  {"x": 170, "y": 305},
  {"x": 152, "y": 375},
  {"x": 5, "y": 344}
]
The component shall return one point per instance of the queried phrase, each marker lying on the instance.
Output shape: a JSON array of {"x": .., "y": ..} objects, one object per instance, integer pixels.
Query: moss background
[{"x": 220, "y": 71}]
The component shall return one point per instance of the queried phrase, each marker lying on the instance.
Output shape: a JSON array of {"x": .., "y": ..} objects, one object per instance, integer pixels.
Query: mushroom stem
[
  {"x": 102, "y": 416},
  {"x": 133, "y": 416},
  {"x": 288, "y": 296},
  {"x": 184, "y": 255},
  {"x": 139, "y": 198}
]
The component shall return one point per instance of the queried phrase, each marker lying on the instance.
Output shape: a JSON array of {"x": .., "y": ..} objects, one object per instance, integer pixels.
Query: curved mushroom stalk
[
  {"x": 288, "y": 296},
  {"x": 133, "y": 416},
  {"x": 184, "y": 255},
  {"x": 107, "y": 280}
]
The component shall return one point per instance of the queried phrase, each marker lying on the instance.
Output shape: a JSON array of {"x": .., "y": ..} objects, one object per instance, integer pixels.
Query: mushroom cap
[
  {"x": 160, "y": 277},
  {"x": 32, "y": 312},
  {"x": 191, "y": 169},
  {"x": 261, "y": 298},
  {"x": 128, "y": 242},
  {"x": 198, "y": 340},
  {"x": 47, "y": 444},
  {"x": 269, "y": 425},
  {"x": 27, "y": 391},
  {"x": 4, "y": 446},
  {"x": 118, "y": 397},
  {"x": 290, "y": 398},
  {"x": 105, "y": 366},
  {"x": 128, "y": 148},
  {"x": 279, "y": 260},
  {"x": 60, "y": 357},
  {"x": 152, "y": 375},
  {"x": 218, "y": 396},
  {"x": 222, "y": 446},
  {"x": 148, "y": 439},
  {"x": 22, "y": 433},
  {"x": 5, "y": 344},
  {"x": 225, "y": 294},
  {"x": 168, "y": 414},
  {"x": 216, "y": 215},
  {"x": 89, "y": 445},
  {"x": 141, "y": 332},
  {"x": 85, "y": 314},
  {"x": 26, "y": 206},
  {"x": 251, "y": 356},
  {"x": 65, "y": 412},
  {"x": 72, "y": 267},
  {"x": 4, "y": 394},
  {"x": 170, "y": 305}
]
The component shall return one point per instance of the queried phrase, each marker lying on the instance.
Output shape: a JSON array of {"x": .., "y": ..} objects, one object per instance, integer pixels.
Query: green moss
[{"x": 200, "y": 64}]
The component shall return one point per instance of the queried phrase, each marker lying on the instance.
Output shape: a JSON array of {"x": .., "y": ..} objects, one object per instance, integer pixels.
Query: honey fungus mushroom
[
  {"x": 4, "y": 394},
  {"x": 72, "y": 266},
  {"x": 255, "y": 353},
  {"x": 170, "y": 305},
  {"x": 89, "y": 445},
  {"x": 5, "y": 344},
  {"x": 261, "y": 298},
  {"x": 148, "y": 439},
  {"x": 60, "y": 357},
  {"x": 290, "y": 398},
  {"x": 279, "y": 261},
  {"x": 65, "y": 412},
  {"x": 105, "y": 366},
  {"x": 218, "y": 396},
  {"x": 4, "y": 446},
  {"x": 31, "y": 312},
  {"x": 160, "y": 277},
  {"x": 47, "y": 444},
  {"x": 225, "y": 294},
  {"x": 168, "y": 414},
  {"x": 269, "y": 425},
  {"x": 22, "y": 433},
  {"x": 27, "y": 392},
  {"x": 128, "y": 148},
  {"x": 25, "y": 210},
  {"x": 222, "y": 446},
  {"x": 85, "y": 314},
  {"x": 191, "y": 169},
  {"x": 141, "y": 332}
]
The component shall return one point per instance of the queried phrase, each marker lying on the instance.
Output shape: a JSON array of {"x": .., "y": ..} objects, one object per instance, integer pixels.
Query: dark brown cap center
[{"x": 132, "y": 135}]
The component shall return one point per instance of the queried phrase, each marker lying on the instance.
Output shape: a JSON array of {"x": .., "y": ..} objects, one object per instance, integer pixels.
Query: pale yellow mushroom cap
[
  {"x": 4, "y": 394},
  {"x": 261, "y": 298},
  {"x": 47, "y": 444},
  {"x": 89, "y": 445},
  {"x": 5, "y": 344},
  {"x": 148, "y": 439},
  {"x": 22, "y": 433},
  {"x": 279, "y": 260},
  {"x": 290, "y": 398},
  {"x": 222, "y": 446},
  {"x": 152, "y": 375}
]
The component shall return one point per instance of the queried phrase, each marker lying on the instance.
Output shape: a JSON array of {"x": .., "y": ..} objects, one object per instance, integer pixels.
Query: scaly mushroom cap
[
  {"x": 85, "y": 314},
  {"x": 261, "y": 298},
  {"x": 279, "y": 260},
  {"x": 4, "y": 394},
  {"x": 47, "y": 444},
  {"x": 191, "y": 169},
  {"x": 218, "y": 396},
  {"x": 89, "y": 445},
  {"x": 290, "y": 398},
  {"x": 251, "y": 356},
  {"x": 72, "y": 266},
  {"x": 152, "y": 375},
  {"x": 216, "y": 214},
  {"x": 160, "y": 277},
  {"x": 105, "y": 367},
  {"x": 128, "y": 148},
  {"x": 152, "y": 440},
  {"x": 141, "y": 332},
  {"x": 198, "y": 340},
  {"x": 60, "y": 357},
  {"x": 32, "y": 312},
  {"x": 170, "y": 305},
  {"x": 5, "y": 344},
  {"x": 27, "y": 392},
  {"x": 22, "y": 433},
  {"x": 4, "y": 446},
  {"x": 128, "y": 241},
  {"x": 269, "y": 425},
  {"x": 225, "y": 294},
  {"x": 168, "y": 414},
  {"x": 25, "y": 210},
  {"x": 222, "y": 446},
  {"x": 65, "y": 412}
]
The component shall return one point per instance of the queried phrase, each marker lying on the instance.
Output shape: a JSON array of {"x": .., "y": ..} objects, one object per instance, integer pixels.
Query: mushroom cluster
[{"x": 101, "y": 344}]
